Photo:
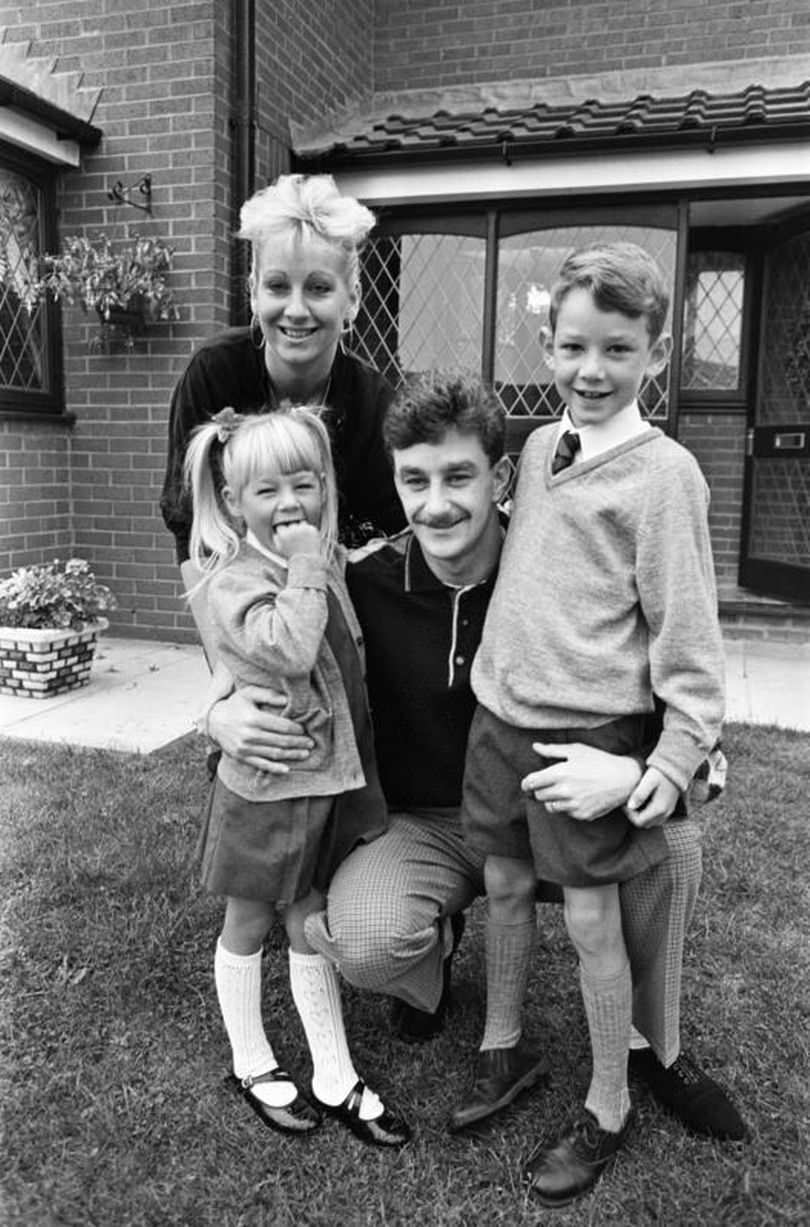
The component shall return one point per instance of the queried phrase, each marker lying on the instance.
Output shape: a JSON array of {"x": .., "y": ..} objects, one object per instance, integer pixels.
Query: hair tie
[{"x": 227, "y": 422}]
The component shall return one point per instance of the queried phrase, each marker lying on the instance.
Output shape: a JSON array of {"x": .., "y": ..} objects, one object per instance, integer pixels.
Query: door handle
[{"x": 790, "y": 441}]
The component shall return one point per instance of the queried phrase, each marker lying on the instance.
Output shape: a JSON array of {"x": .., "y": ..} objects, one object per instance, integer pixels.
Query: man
[{"x": 395, "y": 906}]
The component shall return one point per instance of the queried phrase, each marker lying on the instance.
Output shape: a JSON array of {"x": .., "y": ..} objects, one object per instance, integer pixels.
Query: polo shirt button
[{"x": 460, "y": 660}]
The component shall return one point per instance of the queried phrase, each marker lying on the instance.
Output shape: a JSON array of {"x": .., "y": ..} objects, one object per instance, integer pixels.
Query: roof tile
[{"x": 644, "y": 118}]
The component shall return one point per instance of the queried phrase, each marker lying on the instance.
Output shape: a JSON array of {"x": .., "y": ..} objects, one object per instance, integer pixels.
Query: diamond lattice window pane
[
  {"x": 528, "y": 263},
  {"x": 786, "y": 353},
  {"x": 422, "y": 304},
  {"x": 712, "y": 321},
  {"x": 21, "y": 326},
  {"x": 780, "y": 531}
]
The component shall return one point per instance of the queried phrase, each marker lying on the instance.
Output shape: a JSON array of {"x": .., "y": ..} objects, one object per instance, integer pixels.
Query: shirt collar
[
  {"x": 418, "y": 576},
  {"x": 252, "y": 540},
  {"x": 602, "y": 436}
]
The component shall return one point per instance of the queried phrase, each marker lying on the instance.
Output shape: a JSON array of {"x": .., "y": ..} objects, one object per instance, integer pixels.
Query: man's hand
[
  {"x": 586, "y": 783},
  {"x": 653, "y": 800},
  {"x": 246, "y": 729}
]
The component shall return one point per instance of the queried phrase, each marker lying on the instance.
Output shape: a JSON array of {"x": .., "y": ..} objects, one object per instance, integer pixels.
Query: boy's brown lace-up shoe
[
  {"x": 572, "y": 1167},
  {"x": 501, "y": 1074},
  {"x": 700, "y": 1103}
]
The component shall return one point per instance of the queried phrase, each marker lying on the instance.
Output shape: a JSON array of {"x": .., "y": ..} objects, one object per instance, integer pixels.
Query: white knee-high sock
[
  {"x": 238, "y": 979},
  {"x": 608, "y": 1008},
  {"x": 316, "y": 993}
]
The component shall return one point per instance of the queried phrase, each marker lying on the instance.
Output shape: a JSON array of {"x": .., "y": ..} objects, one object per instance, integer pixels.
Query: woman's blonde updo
[{"x": 307, "y": 206}]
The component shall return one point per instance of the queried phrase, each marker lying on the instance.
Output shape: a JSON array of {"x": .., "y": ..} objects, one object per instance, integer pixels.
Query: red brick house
[{"x": 490, "y": 138}]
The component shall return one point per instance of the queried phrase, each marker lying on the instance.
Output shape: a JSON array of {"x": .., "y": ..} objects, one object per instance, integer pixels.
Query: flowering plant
[
  {"x": 99, "y": 278},
  {"x": 54, "y": 595}
]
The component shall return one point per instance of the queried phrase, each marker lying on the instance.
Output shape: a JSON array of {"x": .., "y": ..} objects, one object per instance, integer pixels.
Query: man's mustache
[{"x": 445, "y": 521}]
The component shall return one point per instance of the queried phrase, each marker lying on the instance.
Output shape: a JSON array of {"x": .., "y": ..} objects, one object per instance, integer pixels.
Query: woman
[{"x": 304, "y": 294}]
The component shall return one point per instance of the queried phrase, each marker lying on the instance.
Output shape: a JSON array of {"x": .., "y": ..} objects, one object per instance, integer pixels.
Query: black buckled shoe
[
  {"x": 699, "y": 1103},
  {"x": 296, "y": 1117},
  {"x": 383, "y": 1130},
  {"x": 572, "y": 1167},
  {"x": 501, "y": 1074},
  {"x": 415, "y": 1026}
]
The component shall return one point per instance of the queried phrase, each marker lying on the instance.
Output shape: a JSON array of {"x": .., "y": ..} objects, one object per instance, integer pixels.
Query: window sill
[{"x": 52, "y": 417}]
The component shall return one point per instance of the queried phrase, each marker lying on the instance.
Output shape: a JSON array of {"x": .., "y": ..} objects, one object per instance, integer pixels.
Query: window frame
[
  {"x": 497, "y": 219},
  {"x": 22, "y": 403},
  {"x": 737, "y": 241}
]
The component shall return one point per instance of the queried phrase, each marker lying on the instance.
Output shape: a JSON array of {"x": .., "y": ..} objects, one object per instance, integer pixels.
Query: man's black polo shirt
[{"x": 420, "y": 639}]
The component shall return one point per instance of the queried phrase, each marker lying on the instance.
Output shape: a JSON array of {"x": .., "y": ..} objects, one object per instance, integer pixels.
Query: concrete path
[
  {"x": 768, "y": 683},
  {"x": 142, "y": 695}
]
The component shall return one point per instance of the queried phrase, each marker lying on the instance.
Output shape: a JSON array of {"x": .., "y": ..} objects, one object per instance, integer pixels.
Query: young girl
[{"x": 264, "y": 536}]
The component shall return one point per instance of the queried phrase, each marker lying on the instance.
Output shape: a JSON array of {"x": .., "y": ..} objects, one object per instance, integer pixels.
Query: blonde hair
[
  {"x": 290, "y": 439},
  {"x": 306, "y": 207}
]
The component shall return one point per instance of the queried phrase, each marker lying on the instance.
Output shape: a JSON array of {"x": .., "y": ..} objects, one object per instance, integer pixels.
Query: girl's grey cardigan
[{"x": 269, "y": 622}]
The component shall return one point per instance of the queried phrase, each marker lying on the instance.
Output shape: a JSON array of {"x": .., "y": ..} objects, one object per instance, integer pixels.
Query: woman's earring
[
  {"x": 256, "y": 330},
  {"x": 346, "y": 334}
]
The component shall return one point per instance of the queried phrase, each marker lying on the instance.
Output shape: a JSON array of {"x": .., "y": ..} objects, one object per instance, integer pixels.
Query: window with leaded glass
[
  {"x": 528, "y": 264},
  {"x": 28, "y": 362},
  {"x": 713, "y": 322},
  {"x": 471, "y": 293},
  {"x": 422, "y": 303}
]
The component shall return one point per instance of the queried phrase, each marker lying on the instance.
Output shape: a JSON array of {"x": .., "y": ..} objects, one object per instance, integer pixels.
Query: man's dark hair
[{"x": 430, "y": 404}]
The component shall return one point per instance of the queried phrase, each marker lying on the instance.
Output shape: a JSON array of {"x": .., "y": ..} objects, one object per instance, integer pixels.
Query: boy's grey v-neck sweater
[{"x": 606, "y": 596}]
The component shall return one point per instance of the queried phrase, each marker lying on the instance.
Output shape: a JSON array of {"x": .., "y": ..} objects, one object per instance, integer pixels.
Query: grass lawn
[{"x": 114, "y": 1108}]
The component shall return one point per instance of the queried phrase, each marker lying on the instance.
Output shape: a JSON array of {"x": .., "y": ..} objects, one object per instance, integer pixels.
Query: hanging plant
[{"x": 125, "y": 286}]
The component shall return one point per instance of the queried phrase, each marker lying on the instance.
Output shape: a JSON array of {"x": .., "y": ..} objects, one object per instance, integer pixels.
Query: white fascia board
[
  {"x": 682, "y": 169},
  {"x": 21, "y": 130}
]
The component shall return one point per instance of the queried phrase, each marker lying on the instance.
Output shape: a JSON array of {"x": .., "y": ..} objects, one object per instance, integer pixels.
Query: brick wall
[
  {"x": 717, "y": 441},
  {"x": 317, "y": 55},
  {"x": 162, "y": 112},
  {"x": 165, "y": 110},
  {"x": 428, "y": 43},
  {"x": 35, "y": 510}
]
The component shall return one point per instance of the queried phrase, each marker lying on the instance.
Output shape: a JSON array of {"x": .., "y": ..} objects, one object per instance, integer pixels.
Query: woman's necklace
[{"x": 318, "y": 399}]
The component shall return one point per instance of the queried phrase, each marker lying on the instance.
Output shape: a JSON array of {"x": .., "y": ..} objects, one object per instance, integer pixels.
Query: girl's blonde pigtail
[{"x": 214, "y": 539}]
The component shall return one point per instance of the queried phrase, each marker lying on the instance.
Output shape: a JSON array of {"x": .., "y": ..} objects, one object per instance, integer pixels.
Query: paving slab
[
  {"x": 768, "y": 682},
  {"x": 141, "y": 696}
]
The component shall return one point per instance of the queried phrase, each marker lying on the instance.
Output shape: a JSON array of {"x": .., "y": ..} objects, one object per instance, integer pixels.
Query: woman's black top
[{"x": 230, "y": 370}]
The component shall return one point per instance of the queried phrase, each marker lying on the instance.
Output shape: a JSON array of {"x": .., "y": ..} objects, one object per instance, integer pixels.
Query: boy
[{"x": 605, "y": 597}]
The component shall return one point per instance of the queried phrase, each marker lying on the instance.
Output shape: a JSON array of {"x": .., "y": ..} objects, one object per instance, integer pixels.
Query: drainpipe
[{"x": 243, "y": 146}]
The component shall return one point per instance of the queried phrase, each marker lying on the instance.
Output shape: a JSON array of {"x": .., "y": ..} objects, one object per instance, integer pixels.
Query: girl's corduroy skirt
[
  {"x": 279, "y": 850},
  {"x": 271, "y": 850}
]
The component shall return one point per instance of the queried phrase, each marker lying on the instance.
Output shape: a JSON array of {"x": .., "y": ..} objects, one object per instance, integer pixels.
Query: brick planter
[{"x": 38, "y": 664}]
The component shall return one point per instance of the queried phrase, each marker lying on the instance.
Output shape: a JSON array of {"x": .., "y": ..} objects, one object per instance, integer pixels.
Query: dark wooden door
[{"x": 775, "y": 557}]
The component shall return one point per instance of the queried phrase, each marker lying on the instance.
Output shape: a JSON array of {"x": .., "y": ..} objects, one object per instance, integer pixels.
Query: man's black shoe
[
  {"x": 501, "y": 1074},
  {"x": 697, "y": 1100},
  {"x": 572, "y": 1167},
  {"x": 415, "y": 1026}
]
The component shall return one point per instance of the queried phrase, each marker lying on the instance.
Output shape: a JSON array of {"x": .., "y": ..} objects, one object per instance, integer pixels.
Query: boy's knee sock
[
  {"x": 316, "y": 993},
  {"x": 608, "y": 1008},
  {"x": 509, "y": 951},
  {"x": 238, "y": 979}
]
